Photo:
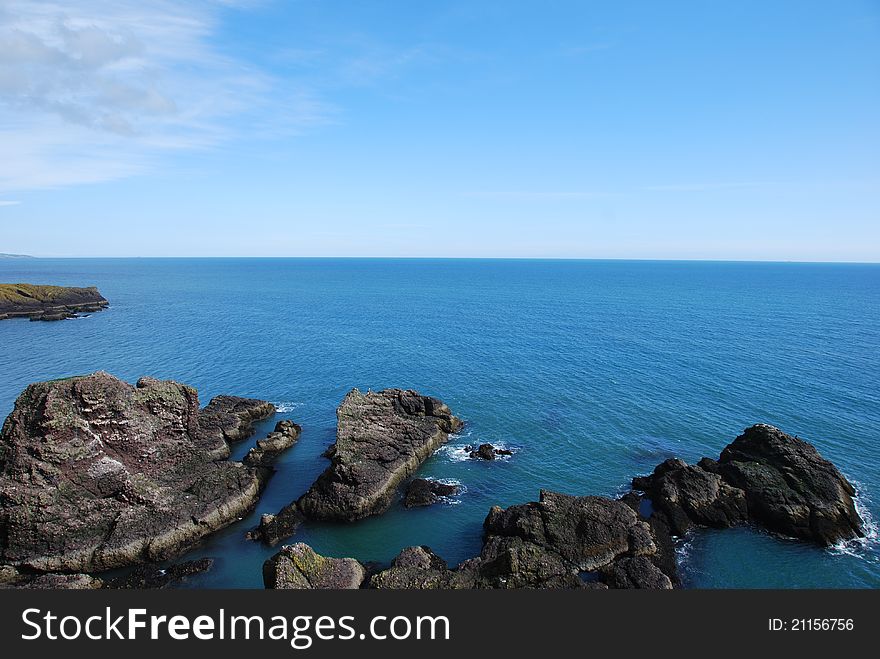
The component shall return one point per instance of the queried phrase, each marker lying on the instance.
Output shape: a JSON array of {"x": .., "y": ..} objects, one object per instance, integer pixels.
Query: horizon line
[{"x": 27, "y": 257}]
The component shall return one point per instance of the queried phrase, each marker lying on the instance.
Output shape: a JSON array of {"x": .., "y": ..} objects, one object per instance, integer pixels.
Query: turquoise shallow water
[{"x": 592, "y": 371}]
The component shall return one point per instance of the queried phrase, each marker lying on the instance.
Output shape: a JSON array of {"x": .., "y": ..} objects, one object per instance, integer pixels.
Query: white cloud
[
  {"x": 6, "y": 202},
  {"x": 101, "y": 89}
]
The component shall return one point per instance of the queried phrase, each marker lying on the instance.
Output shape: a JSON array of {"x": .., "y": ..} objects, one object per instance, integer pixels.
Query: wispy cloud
[
  {"x": 6, "y": 202},
  {"x": 101, "y": 89}
]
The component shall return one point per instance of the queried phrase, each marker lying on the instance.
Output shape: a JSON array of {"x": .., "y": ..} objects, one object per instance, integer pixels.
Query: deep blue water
[{"x": 594, "y": 371}]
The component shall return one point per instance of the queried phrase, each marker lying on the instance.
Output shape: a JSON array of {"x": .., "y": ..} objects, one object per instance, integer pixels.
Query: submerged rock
[
  {"x": 765, "y": 477},
  {"x": 97, "y": 474},
  {"x": 48, "y": 302},
  {"x": 381, "y": 439},
  {"x": 284, "y": 436},
  {"x": 300, "y": 567},
  {"x": 423, "y": 492}
]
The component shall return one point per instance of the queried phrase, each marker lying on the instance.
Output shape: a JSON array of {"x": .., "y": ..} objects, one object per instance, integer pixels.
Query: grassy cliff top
[
  {"x": 29, "y": 293},
  {"x": 28, "y": 299}
]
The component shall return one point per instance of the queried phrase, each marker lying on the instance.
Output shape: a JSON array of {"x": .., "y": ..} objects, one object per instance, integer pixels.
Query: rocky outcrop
[
  {"x": 550, "y": 543},
  {"x": 48, "y": 302},
  {"x": 272, "y": 529},
  {"x": 561, "y": 541},
  {"x": 230, "y": 419},
  {"x": 420, "y": 568},
  {"x": 424, "y": 492},
  {"x": 98, "y": 474},
  {"x": 381, "y": 439},
  {"x": 299, "y": 567},
  {"x": 284, "y": 436},
  {"x": 765, "y": 477},
  {"x": 487, "y": 452}
]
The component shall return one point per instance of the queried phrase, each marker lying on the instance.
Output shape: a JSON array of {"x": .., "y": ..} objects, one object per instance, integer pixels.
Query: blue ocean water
[{"x": 592, "y": 371}]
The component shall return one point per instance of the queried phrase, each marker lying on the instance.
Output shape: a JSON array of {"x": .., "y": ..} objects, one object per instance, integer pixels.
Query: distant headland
[
  {"x": 16, "y": 256},
  {"x": 48, "y": 302}
]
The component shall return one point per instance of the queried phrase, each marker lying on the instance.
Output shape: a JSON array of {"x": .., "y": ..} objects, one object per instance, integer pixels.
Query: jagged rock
[
  {"x": 764, "y": 477},
  {"x": 152, "y": 576},
  {"x": 636, "y": 572},
  {"x": 420, "y": 568},
  {"x": 691, "y": 495},
  {"x": 274, "y": 528},
  {"x": 299, "y": 567},
  {"x": 381, "y": 439},
  {"x": 97, "y": 474},
  {"x": 231, "y": 418},
  {"x": 423, "y": 492},
  {"x": 284, "y": 436},
  {"x": 48, "y": 302},
  {"x": 550, "y": 542},
  {"x": 484, "y": 452},
  {"x": 488, "y": 452}
]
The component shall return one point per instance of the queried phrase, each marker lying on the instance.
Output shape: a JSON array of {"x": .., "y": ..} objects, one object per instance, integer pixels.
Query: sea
[{"x": 591, "y": 372}]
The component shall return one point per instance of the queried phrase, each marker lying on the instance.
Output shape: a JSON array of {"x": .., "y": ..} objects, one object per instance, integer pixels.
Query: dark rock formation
[
  {"x": 549, "y": 543},
  {"x": 152, "y": 576},
  {"x": 423, "y": 492},
  {"x": 299, "y": 567},
  {"x": 48, "y": 302},
  {"x": 764, "y": 477},
  {"x": 267, "y": 450},
  {"x": 229, "y": 419},
  {"x": 275, "y": 528},
  {"x": 97, "y": 474},
  {"x": 381, "y": 439},
  {"x": 420, "y": 568},
  {"x": 488, "y": 452}
]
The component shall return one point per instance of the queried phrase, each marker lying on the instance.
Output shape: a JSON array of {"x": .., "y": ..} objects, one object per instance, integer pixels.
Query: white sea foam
[
  {"x": 859, "y": 547},
  {"x": 460, "y": 446},
  {"x": 283, "y": 407}
]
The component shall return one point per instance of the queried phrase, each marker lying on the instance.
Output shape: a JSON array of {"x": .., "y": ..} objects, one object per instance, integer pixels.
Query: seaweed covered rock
[
  {"x": 765, "y": 477},
  {"x": 381, "y": 439},
  {"x": 300, "y": 567},
  {"x": 97, "y": 474}
]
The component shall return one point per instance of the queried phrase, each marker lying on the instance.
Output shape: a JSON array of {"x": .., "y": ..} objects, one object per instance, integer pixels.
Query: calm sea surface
[{"x": 592, "y": 371}]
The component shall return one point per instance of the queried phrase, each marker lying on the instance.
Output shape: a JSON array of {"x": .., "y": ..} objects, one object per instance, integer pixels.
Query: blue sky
[{"x": 709, "y": 130}]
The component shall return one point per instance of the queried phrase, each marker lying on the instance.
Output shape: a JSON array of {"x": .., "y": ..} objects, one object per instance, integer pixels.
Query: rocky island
[
  {"x": 764, "y": 477},
  {"x": 382, "y": 437},
  {"x": 48, "y": 302},
  {"x": 97, "y": 474}
]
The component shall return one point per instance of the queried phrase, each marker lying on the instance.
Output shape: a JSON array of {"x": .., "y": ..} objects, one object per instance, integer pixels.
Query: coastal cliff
[{"x": 48, "y": 302}]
